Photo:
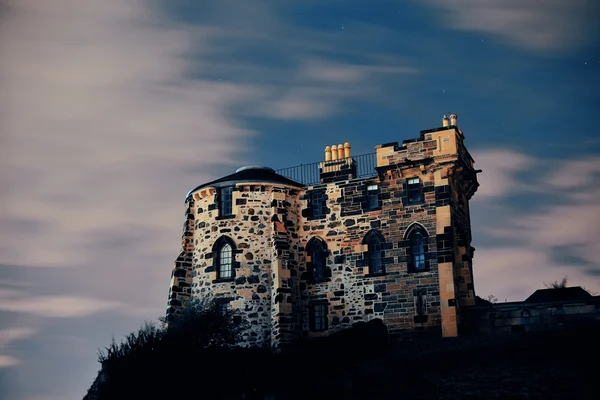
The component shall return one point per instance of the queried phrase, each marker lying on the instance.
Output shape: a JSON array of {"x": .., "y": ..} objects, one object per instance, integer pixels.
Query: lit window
[
  {"x": 318, "y": 317},
  {"x": 414, "y": 190},
  {"x": 372, "y": 196},
  {"x": 225, "y": 201},
  {"x": 224, "y": 262}
]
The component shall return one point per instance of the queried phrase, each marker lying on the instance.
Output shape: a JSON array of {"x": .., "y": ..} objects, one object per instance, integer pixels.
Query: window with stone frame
[
  {"x": 372, "y": 197},
  {"x": 223, "y": 254},
  {"x": 225, "y": 201},
  {"x": 225, "y": 257},
  {"x": 414, "y": 190},
  {"x": 318, "y": 320},
  {"x": 316, "y": 204},
  {"x": 417, "y": 249},
  {"x": 374, "y": 258},
  {"x": 317, "y": 250}
]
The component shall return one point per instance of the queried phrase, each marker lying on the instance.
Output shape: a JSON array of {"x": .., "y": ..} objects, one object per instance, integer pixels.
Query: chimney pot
[
  {"x": 347, "y": 150},
  {"x": 340, "y": 151},
  {"x": 334, "y": 152},
  {"x": 445, "y": 121},
  {"x": 453, "y": 118},
  {"x": 328, "y": 153}
]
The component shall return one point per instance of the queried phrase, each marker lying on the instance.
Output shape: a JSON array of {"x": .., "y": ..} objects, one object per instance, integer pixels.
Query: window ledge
[
  {"x": 375, "y": 275},
  {"x": 372, "y": 209},
  {"x": 219, "y": 280},
  {"x": 413, "y": 271},
  {"x": 416, "y": 203},
  {"x": 230, "y": 216},
  {"x": 316, "y": 281}
]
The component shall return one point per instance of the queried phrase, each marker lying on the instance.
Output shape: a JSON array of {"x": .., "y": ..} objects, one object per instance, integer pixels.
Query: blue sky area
[{"x": 111, "y": 111}]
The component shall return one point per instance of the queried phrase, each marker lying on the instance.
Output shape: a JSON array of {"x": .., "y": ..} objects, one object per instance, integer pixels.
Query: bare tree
[{"x": 556, "y": 284}]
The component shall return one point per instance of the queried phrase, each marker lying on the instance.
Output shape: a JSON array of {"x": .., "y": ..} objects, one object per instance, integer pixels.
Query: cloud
[
  {"x": 8, "y": 336},
  {"x": 53, "y": 306},
  {"x": 552, "y": 236},
  {"x": 539, "y": 25},
  {"x": 499, "y": 169},
  {"x": 8, "y": 361}
]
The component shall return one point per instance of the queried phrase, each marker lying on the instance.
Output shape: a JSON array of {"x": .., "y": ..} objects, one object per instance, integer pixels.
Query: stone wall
[{"x": 513, "y": 317}]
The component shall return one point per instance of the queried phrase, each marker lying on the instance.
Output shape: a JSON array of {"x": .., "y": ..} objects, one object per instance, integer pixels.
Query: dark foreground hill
[
  {"x": 354, "y": 365},
  {"x": 554, "y": 365}
]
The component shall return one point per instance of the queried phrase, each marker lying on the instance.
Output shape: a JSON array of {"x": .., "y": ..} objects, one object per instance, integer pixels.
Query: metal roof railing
[{"x": 308, "y": 174}]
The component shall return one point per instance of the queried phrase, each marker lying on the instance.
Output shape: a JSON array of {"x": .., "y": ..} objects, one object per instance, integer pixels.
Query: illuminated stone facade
[{"x": 306, "y": 261}]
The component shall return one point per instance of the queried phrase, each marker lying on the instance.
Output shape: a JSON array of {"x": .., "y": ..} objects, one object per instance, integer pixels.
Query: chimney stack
[
  {"x": 347, "y": 150},
  {"x": 327, "y": 153},
  {"x": 453, "y": 119},
  {"x": 445, "y": 121},
  {"x": 340, "y": 151},
  {"x": 334, "y": 152}
]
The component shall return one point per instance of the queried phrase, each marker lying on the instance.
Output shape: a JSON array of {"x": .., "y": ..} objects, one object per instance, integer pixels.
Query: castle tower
[{"x": 237, "y": 237}]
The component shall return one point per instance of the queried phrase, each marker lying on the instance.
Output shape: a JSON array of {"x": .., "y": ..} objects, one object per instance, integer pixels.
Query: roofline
[{"x": 219, "y": 184}]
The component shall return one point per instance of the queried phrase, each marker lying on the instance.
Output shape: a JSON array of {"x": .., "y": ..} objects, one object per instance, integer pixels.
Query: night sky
[{"x": 111, "y": 111}]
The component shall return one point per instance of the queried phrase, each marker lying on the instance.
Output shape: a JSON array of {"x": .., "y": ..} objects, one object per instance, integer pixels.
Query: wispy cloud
[
  {"x": 539, "y": 25},
  {"x": 53, "y": 306},
  {"x": 7, "y": 338}
]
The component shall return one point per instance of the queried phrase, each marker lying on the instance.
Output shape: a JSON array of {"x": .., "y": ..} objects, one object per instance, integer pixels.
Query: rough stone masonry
[{"x": 304, "y": 261}]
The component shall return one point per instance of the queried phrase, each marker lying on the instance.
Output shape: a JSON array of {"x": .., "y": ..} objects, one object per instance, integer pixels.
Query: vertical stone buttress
[
  {"x": 455, "y": 183},
  {"x": 284, "y": 228},
  {"x": 181, "y": 275}
]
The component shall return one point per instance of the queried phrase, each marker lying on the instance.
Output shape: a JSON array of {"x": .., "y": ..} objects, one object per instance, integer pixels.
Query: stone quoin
[{"x": 304, "y": 261}]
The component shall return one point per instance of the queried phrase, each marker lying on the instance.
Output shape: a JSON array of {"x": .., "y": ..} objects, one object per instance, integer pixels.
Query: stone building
[{"x": 305, "y": 259}]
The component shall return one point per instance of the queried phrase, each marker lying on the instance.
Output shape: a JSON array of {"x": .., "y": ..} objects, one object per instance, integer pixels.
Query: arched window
[
  {"x": 224, "y": 271},
  {"x": 317, "y": 267},
  {"x": 375, "y": 244},
  {"x": 417, "y": 248},
  {"x": 223, "y": 256}
]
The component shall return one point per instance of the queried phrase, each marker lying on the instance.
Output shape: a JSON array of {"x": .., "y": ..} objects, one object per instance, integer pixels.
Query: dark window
[
  {"x": 225, "y": 201},
  {"x": 415, "y": 194},
  {"x": 417, "y": 250},
  {"x": 317, "y": 202},
  {"x": 375, "y": 262},
  {"x": 318, "y": 317},
  {"x": 224, "y": 270},
  {"x": 224, "y": 307},
  {"x": 372, "y": 196},
  {"x": 318, "y": 257},
  {"x": 420, "y": 303}
]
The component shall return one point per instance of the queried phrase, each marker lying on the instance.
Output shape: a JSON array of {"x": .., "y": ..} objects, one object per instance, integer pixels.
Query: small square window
[
  {"x": 415, "y": 194},
  {"x": 225, "y": 201},
  {"x": 372, "y": 196},
  {"x": 318, "y": 317}
]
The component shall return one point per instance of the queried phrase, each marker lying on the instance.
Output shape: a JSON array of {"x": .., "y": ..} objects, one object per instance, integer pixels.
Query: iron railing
[{"x": 308, "y": 174}]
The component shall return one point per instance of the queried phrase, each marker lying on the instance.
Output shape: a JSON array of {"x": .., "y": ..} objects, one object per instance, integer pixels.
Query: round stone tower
[{"x": 236, "y": 243}]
